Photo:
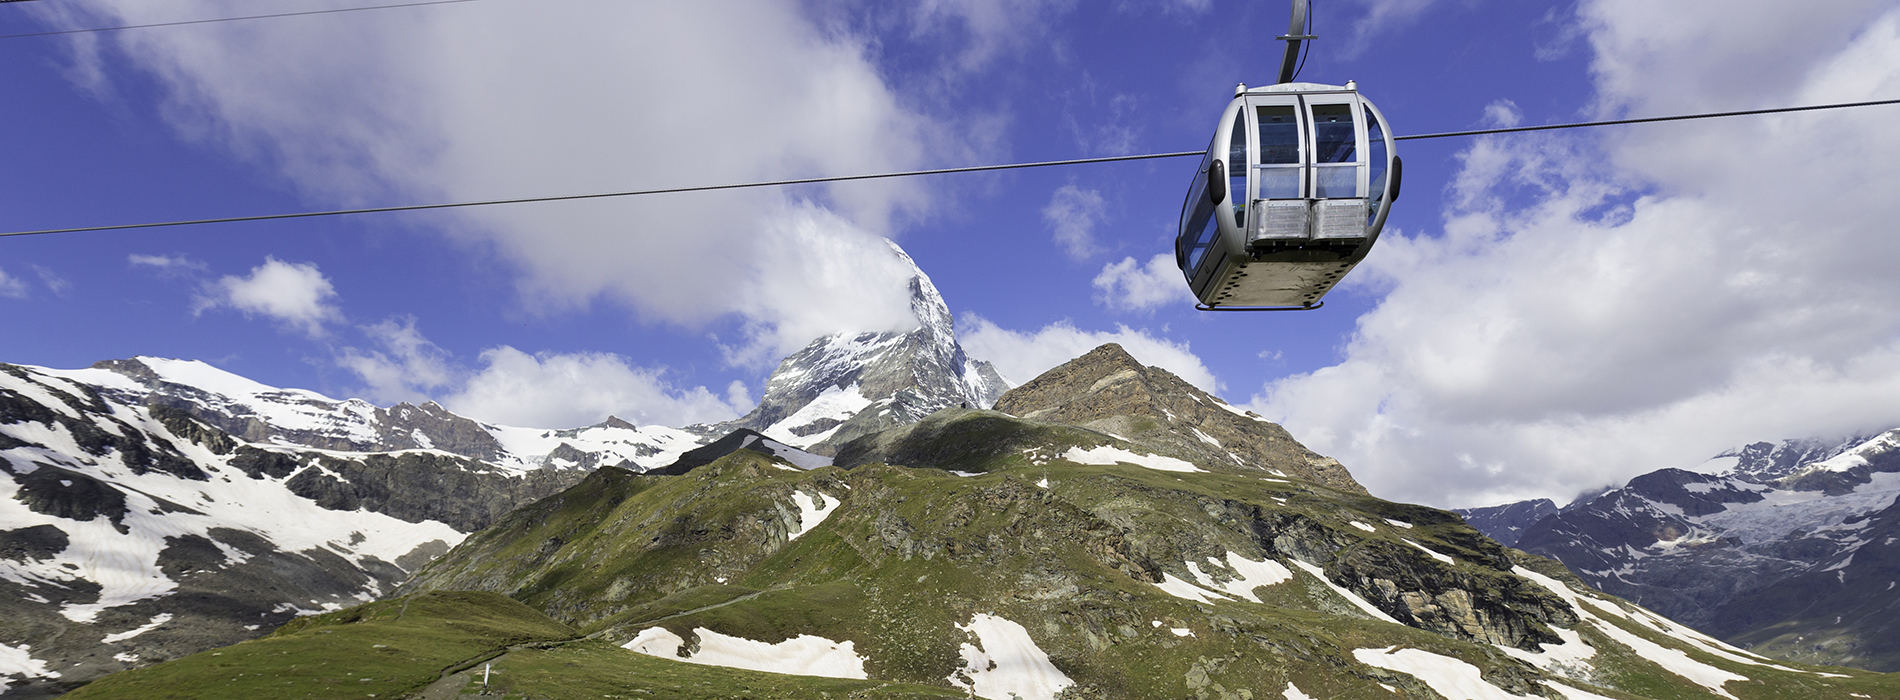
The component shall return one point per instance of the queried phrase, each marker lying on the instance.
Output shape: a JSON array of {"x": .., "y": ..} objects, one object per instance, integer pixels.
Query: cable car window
[
  {"x": 1279, "y": 135},
  {"x": 1335, "y": 181},
  {"x": 1198, "y": 225},
  {"x": 1237, "y": 169},
  {"x": 1375, "y": 147},
  {"x": 1333, "y": 134}
]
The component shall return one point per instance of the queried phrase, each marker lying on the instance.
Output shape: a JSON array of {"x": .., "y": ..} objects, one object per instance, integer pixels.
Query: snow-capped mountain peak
[{"x": 845, "y": 385}]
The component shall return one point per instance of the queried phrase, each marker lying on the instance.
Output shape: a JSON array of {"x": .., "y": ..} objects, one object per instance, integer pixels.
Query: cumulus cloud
[
  {"x": 556, "y": 390},
  {"x": 1020, "y": 355},
  {"x": 1073, "y": 213},
  {"x": 496, "y": 100},
  {"x": 1595, "y": 309},
  {"x": 1132, "y": 286},
  {"x": 11, "y": 287},
  {"x": 296, "y": 295},
  {"x": 540, "y": 390},
  {"x": 408, "y": 367}
]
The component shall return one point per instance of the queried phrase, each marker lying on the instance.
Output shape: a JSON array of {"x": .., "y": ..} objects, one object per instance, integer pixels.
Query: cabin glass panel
[
  {"x": 1237, "y": 169},
  {"x": 1378, "y": 155}
]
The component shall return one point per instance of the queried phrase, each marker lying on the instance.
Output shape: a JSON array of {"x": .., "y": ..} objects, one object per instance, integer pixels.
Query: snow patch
[
  {"x": 812, "y": 512},
  {"x": 157, "y": 620},
  {"x": 803, "y": 655},
  {"x": 1253, "y": 574},
  {"x": 1106, "y": 455},
  {"x": 1293, "y": 693},
  {"x": 1448, "y": 676},
  {"x": 1005, "y": 663},
  {"x": 19, "y": 661},
  {"x": 1179, "y": 588},
  {"x": 1398, "y": 524},
  {"x": 1363, "y": 526},
  {"x": 1422, "y": 548},
  {"x": 836, "y": 403}
]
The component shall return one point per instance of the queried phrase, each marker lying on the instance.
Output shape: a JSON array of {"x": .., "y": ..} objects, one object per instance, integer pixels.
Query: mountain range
[
  {"x": 153, "y": 507},
  {"x": 1785, "y": 548},
  {"x": 1107, "y": 531}
]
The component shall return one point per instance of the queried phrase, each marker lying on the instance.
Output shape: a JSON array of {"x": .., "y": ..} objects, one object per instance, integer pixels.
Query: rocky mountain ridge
[{"x": 1782, "y": 547}]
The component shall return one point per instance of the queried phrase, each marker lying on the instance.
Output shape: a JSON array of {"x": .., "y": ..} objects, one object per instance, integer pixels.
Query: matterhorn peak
[{"x": 849, "y": 384}]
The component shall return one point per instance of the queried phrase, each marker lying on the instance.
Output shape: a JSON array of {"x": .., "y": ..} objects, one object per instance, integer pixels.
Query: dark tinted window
[
  {"x": 1333, "y": 134},
  {"x": 1279, "y": 135}
]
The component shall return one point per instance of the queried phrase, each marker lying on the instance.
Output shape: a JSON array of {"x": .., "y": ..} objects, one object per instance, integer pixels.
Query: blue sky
[{"x": 1547, "y": 314}]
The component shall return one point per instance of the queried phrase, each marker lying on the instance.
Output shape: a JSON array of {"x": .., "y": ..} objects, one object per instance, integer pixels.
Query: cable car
[{"x": 1292, "y": 193}]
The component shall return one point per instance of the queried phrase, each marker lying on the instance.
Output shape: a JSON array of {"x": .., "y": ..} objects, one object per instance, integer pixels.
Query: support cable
[
  {"x": 906, "y": 173},
  {"x": 231, "y": 19}
]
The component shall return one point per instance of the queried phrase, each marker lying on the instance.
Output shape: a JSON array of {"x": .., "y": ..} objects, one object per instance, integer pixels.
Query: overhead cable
[
  {"x": 232, "y": 19},
  {"x": 906, "y": 173}
]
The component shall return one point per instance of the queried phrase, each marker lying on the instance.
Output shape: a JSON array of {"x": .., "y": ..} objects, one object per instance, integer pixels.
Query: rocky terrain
[
  {"x": 1785, "y": 548},
  {"x": 1009, "y": 556}
]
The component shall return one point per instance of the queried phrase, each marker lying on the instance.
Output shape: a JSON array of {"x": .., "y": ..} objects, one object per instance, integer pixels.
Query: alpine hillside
[
  {"x": 1785, "y": 548},
  {"x": 154, "y": 507},
  {"x": 983, "y": 553}
]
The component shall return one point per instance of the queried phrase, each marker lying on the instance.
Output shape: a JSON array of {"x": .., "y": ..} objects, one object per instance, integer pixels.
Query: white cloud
[
  {"x": 1073, "y": 212},
  {"x": 554, "y": 390},
  {"x": 1382, "y": 16},
  {"x": 407, "y": 368},
  {"x": 11, "y": 287},
  {"x": 1595, "y": 310},
  {"x": 168, "y": 265},
  {"x": 1131, "y": 286},
  {"x": 294, "y": 294},
  {"x": 542, "y": 390},
  {"x": 1020, "y": 356},
  {"x": 505, "y": 99},
  {"x": 54, "y": 282}
]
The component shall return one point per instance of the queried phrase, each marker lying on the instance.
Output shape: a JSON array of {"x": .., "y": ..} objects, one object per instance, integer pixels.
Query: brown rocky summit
[{"x": 1107, "y": 390}]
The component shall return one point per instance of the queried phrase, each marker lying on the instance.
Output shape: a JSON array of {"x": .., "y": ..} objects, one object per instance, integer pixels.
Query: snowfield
[
  {"x": 1005, "y": 663},
  {"x": 1106, "y": 455},
  {"x": 803, "y": 655}
]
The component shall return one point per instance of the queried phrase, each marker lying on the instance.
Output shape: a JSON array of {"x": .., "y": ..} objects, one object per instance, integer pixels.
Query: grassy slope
[
  {"x": 384, "y": 649},
  {"x": 911, "y": 554}
]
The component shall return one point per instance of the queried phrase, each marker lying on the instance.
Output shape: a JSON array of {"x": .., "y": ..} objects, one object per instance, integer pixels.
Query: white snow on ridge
[
  {"x": 1856, "y": 456},
  {"x": 527, "y": 447},
  {"x": 803, "y": 655},
  {"x": 1450, "y": 677},
  {"x": 1005, "y": 663},
  {"x": 810, "y": 512},
  {"x": 125, "y": 565},
  {"x": 1107, "y": 455},
  {"x": 1671, "y": 660},
  {"x": 836, "y": 403}
]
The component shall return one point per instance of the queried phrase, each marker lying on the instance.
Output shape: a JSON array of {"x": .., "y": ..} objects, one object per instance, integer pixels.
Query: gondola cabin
[{"x": 1291, "y": 195}]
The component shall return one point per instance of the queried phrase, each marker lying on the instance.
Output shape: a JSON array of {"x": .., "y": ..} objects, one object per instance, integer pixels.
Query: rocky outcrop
[{"x": 1108, "y": 390}]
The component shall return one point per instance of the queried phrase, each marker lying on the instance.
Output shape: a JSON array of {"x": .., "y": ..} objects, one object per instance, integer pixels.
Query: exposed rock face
[
  {"x": 1783, "y": 547},
  {"x": 1109, "y": 391},
  {"x": 851, "y": 384}
]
